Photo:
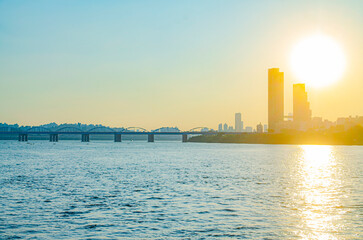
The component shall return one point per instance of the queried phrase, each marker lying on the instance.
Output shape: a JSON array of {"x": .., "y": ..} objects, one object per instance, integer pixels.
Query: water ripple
[{"x": 184, "y": 191}]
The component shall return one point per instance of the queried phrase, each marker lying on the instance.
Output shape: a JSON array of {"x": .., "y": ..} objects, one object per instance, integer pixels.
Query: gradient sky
[{"x": 166, "y": 63}]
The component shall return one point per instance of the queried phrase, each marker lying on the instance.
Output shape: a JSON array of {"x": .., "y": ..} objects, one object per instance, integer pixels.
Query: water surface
[{"x": 159, "y": 190}]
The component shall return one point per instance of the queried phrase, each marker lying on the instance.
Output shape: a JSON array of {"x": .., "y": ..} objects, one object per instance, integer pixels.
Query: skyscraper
[
  {"x": 301, "y": 106},
  {"x": 265, "y": 128},
  {"x": 225, "y": 127},
  {"x": 238, "y": 122},
  {"x": 220, "y": 128},
  {"x": 259, "y": 128},
  {"x": 275, "y": 98}
]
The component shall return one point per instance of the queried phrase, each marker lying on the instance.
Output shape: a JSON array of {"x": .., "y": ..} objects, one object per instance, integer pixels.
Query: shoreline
[
  {"x": 297, "y": 144},
  {"x": 352, "y": 137}
]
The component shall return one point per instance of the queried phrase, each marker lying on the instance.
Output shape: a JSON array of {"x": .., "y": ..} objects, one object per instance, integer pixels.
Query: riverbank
[{"x": 353, "y": 136}]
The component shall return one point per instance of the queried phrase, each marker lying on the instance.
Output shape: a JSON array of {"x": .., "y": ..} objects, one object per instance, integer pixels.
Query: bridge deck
[
  {"x": 123, "y": 133},
  {"x": 110, "y": 133}
]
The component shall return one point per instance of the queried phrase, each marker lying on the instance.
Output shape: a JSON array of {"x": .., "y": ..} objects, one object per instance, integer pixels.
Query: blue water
[{"x": 107, "y": 190}]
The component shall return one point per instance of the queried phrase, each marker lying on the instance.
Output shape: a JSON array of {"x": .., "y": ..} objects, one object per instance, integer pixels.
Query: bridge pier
[
  {"x": 150, "y": 137},
  {"x": 117, "y": 137},
  {"x": 23, "y": 137},
  {"x": 185, "y": 138},
  {"x": 85, "y": 137},
  {"x": 53, "y": 138}
]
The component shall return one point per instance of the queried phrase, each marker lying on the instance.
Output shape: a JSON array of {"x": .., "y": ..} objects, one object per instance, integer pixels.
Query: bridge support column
[
  {"x": 185, "y": 138},
  {"x": 23, "y": 137},
  {"x": 53, "y": 138},
  {"x": 150, "y": 137},
  {"x": 117, "y": 138},
  {"x": 85, "y": 137}
]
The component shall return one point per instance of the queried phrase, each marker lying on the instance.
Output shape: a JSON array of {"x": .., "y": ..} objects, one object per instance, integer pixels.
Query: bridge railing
[
  {"x": 38, "y": 129},
  {"x": 134, "y": 129},
  {"x": 107, "y": 129},
  {"x": 66, "y": 129},
  {"x": 10, "y": 129}
]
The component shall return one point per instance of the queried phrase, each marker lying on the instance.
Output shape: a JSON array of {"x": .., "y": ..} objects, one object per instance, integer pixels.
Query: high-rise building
[
  {"x": 249, "y": 129},
  {"x": 230, "y": 129},
  {"x": 238, "y": 122},
  {"x": 275, "y": 98},
  {"x": 225, "y": 127},
  {"x": 265, "y": 128},
  {"x": 259, "y": 128},
  {"x": 220, "y": 128},
  {"x": 301, "y": 106}
]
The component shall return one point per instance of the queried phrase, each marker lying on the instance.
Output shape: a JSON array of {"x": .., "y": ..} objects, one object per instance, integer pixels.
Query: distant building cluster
[
  {"x": 54, "y": 126},
  {"x": 301, "y": 119},
  {"x": 83, "y": 127},
  {"x": 238, "y": 126}
]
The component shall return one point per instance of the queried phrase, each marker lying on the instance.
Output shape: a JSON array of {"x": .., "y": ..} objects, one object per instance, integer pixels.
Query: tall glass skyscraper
[
  {"x": 238, "y": 122},
  {"x": 275, "y": 98},
  {"x": 301, "y": 106}
]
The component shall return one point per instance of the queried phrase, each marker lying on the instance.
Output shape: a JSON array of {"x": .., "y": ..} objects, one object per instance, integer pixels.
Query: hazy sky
[{"x": 166, "y": 63}]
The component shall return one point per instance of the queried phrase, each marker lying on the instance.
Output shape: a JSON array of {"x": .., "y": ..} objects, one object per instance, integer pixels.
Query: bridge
[{"x": 85, "y": 135}]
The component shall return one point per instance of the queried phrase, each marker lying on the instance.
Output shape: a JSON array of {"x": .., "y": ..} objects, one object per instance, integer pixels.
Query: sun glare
[
  {"x": 318, "y": 61},
  {"x": 320, "y": 189}
]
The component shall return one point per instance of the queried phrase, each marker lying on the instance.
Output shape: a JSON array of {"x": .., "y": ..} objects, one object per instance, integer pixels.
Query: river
[{"x": 163, "y": 190}]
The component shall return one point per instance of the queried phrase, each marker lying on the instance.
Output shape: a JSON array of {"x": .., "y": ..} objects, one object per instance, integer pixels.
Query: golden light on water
[
  {"x": 319, "y": 190},
  {"x": 318, "y": 61}
]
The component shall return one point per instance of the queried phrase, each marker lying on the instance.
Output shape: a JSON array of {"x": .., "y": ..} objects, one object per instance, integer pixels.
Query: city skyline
[
  {"x": 181, "y": 119},
  {"x": 301, "y": 119},
  {"x": 95, "y": 68}
]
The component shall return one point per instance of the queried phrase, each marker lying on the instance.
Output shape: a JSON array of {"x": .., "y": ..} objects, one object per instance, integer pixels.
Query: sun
[{"x": 318, "y": 61}]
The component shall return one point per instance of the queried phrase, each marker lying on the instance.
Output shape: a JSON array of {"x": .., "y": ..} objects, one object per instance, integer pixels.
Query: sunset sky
[{"x": 167, "y": 63}]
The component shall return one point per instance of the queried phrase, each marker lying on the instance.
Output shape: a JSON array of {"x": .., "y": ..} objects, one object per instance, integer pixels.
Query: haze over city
[
  {"x": 164, "y": 63},
  {"x": 208, "y": 119}
]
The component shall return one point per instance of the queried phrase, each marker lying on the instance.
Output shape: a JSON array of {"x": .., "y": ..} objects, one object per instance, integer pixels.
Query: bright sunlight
[{"x": 318, "y": 61}]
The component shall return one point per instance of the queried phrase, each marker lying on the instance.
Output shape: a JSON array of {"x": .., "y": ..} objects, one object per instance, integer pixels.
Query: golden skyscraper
[
  {"x": 301, "y": 106},
  {"x": 275, "y": 98}
]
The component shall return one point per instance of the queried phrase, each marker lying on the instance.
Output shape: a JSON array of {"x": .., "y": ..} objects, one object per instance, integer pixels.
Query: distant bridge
[{"x": 72, "y": 130}]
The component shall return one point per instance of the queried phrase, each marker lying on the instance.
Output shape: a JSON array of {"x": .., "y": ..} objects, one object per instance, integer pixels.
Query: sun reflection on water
[{"x": 320, "y": 193}]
